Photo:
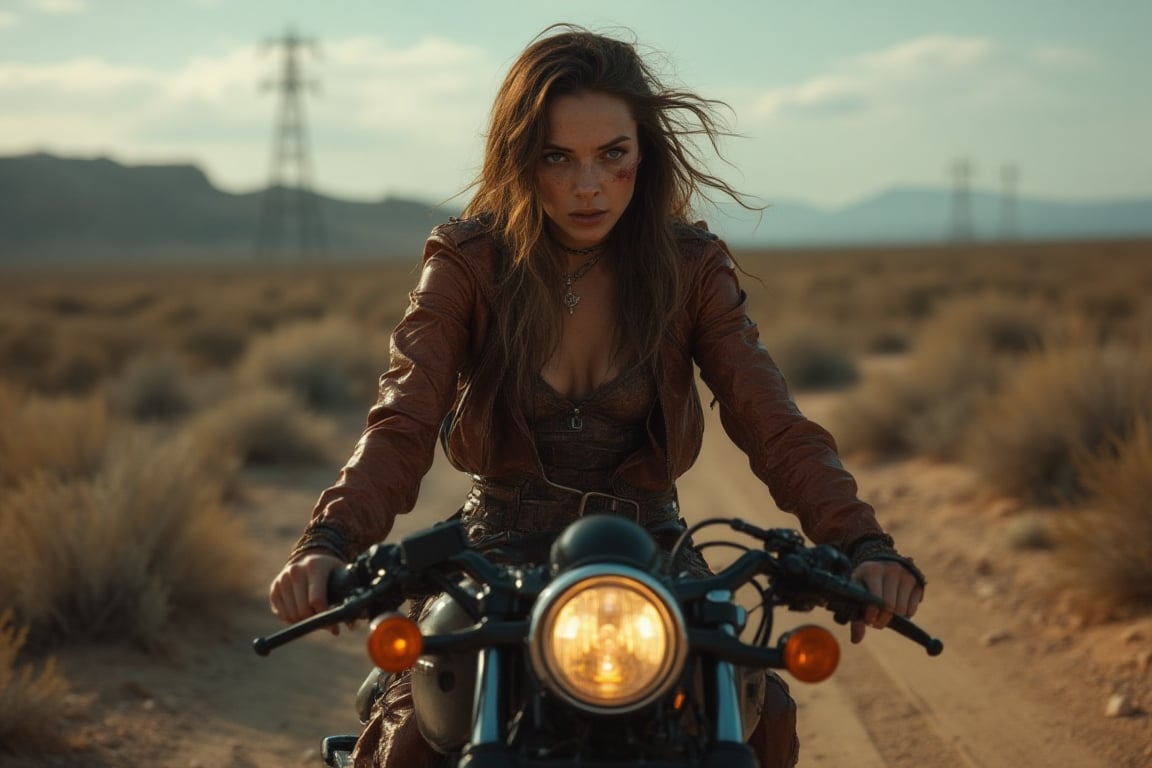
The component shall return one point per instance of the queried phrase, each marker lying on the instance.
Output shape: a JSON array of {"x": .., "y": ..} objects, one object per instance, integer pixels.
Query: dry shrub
[
  {"x": 117, "y": 553},
  {"x": 918, "y": 296},
  {"x": 1108, "y": 548},
  {"x": 105, "y": 530},
  {"x": 379, "y": 299},
  {"x": 830, "y": 293},
  {"x": 1067, "y": 401},
  {"x": 266, "y": 426},
  {"x": 26, "y": 346},
  {"x": 989, "y": 323},
  {"x": 153, "y": 388},
  {"x": 961, "y": 358},
  {"x": 874, "y": 418},
  {"x": 57, "y": 437},
  {"x": 330, "y": 364},
  {"x": 919, "y": 410},
  {"x": 888, "y": 339},
  {"x": 1113, "y": 300},
  {"x": 213, "y": 344},
  {"x": 87, "y": 353},
  {"x": 1138, "y": 328},
  {"x": 813, "y": 358},
  {"x": 69, "y": 357},
  {"x": 30, "y": 701}
]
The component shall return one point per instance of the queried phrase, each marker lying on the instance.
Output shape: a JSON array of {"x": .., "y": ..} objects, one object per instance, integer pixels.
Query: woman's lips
[{"x": 587, "y": 218}]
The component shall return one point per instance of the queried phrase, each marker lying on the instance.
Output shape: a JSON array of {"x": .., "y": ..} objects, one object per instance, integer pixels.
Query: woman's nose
[{"x": 587, "y": 179}]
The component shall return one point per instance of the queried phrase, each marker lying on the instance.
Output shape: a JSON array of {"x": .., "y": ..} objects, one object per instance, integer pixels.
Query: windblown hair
[{"x": 570, "y": 60}]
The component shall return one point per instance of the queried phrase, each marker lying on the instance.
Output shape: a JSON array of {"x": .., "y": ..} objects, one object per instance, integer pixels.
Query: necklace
[
  {"x": 581, "y": 251},
  {"x": 571, "y": 298}
]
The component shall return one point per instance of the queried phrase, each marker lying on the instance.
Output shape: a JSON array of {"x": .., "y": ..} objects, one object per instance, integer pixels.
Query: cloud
[
  {"x": 8, "y": 19},
  {"x": 86, "y": 76},
  {"x": 58, "y": 6},
  {"x": 904, "y": 113},
  {"x": 935, "y": 73},
  {"x": 929, "y": 56},
  {"x": 415, "y": 109},
  {"x": 820, "y": 96},
  {"x": 1068, "y": 59},
  {"x": 434, "y": 86},
  {"x": 876, "y": 79}
]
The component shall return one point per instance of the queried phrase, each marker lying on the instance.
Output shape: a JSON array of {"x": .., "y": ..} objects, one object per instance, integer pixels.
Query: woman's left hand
[{"x": 892, "y": 582}]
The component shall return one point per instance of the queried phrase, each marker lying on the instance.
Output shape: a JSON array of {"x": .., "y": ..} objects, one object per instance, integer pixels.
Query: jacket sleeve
[
  {"x": 795, "y": 457},
  {"x": 396, "y": 449}
]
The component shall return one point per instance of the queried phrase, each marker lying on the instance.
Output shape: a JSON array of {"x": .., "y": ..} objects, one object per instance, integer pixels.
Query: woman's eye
[
  {"x": 614, "y": 154},
  {"x": 553, "y": 158}
]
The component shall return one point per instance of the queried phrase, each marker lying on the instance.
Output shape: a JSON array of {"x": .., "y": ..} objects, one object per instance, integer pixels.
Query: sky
[{"x": 831, "y": 100}]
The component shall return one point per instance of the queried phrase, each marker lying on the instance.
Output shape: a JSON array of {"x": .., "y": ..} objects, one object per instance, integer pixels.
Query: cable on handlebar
[{"x": 686, "y": 536}]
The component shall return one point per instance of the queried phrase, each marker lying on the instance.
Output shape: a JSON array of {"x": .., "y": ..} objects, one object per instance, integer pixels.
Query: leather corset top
[{"x": 582, "y": 442}]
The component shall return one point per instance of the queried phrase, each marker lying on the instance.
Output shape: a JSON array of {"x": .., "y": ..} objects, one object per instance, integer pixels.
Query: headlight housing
[{"x": 607, "y": 638}]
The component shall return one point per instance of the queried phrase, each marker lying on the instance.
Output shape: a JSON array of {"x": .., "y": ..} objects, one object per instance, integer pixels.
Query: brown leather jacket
[{"x": 444, "y": 358}]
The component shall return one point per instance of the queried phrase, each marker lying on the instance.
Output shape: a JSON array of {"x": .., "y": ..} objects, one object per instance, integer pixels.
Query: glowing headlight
[{"x": 607, "y": 638}]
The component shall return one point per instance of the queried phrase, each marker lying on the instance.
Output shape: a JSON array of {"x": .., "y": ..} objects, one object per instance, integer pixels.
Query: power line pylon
[
  {"x": 962, "y": 228},
  {"x": 1010, "y": 176},
  {"x": 289, "y": 195}
]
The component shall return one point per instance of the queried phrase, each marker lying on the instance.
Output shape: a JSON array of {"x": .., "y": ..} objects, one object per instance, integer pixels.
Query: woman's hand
[
  {"x": 300, "y": 589},
  {"x": 892, "y": 582}
]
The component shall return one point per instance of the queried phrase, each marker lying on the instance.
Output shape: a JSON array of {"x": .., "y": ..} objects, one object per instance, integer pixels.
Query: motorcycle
[{"x": 603, "y": 656}]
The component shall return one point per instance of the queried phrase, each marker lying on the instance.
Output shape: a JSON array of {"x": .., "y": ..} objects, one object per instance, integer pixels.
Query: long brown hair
[{"x": 566, "y": 60}]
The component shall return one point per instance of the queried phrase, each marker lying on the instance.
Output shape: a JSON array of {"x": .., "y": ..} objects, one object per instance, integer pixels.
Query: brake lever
[
  {"x": 902, "y": 626},
  {"x": 350, "y": 610}
]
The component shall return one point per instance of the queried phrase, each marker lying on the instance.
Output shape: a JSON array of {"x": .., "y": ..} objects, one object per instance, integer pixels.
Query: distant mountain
[
  {"x": 65, "y": 210},
  {"x": 926, "y": 215}
]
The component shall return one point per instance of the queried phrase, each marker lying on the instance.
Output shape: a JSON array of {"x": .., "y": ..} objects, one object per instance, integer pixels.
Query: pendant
[{"x": 571, "y": 299}]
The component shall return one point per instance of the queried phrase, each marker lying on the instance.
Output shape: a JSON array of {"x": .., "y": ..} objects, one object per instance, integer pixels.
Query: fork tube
[
  {"x": 726, "y": 702},
  {"x": 723, "y": 687},
  {"x": 487, "y": 702}
]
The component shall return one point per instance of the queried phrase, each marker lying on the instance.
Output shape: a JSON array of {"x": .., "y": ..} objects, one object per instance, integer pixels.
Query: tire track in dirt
[{"x": 969, "y": 709}]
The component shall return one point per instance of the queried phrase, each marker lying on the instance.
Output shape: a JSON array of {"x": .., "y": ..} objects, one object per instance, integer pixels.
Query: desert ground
[{"x": 1024, "y": 681}]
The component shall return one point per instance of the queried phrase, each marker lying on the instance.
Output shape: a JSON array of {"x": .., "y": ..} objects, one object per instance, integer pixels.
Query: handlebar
[{"x": 801, "y": 578}]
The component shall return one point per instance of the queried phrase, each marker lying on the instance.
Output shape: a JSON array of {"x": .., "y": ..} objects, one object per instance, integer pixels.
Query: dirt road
[{"x": 981, "y": 703}]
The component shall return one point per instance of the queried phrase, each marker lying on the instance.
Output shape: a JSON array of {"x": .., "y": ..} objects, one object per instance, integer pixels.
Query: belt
[{"x": 510, "y": 511}]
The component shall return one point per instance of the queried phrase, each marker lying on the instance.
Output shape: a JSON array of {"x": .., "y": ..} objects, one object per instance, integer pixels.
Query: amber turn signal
[
  {"x": 394, "y": 642},
  {"x": 811, "y": 653}
]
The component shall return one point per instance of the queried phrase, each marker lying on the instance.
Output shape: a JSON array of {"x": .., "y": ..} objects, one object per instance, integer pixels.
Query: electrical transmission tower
[
  {"x": 1010, "y": 176},
  {"x": 962, "y": 228},
  {"x": 289, "y": 198}
]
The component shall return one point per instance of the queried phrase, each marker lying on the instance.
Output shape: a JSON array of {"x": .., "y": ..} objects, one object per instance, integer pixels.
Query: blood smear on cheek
[{"x": 626, "y": 174}]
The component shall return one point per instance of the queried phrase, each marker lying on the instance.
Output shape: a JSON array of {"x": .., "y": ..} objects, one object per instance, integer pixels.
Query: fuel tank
[{"x": 443, "y": 685}]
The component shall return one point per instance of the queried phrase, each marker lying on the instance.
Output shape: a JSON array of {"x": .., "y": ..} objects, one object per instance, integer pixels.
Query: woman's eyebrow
[{"x": 607, "y": 145}]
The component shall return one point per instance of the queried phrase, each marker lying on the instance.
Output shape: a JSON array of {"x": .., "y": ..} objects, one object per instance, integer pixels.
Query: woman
[{"x": 550, "y": 345}]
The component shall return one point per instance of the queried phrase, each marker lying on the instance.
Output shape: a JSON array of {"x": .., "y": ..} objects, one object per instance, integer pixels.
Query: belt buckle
[{"x": 615, "y": 504}]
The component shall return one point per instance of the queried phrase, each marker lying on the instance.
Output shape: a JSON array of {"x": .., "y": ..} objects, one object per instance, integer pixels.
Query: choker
[{"x": 581, "y": 251}]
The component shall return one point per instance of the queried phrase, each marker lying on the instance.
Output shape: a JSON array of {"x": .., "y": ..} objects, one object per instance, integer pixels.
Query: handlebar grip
[{"x": 342, "y": 582}]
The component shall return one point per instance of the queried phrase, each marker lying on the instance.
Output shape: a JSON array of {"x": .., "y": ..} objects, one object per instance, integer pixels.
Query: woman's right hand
[{"x": 300, "y": 589}]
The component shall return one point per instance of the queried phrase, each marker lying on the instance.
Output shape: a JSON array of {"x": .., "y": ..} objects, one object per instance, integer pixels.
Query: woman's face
[{"x": 586, "y": 173}]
